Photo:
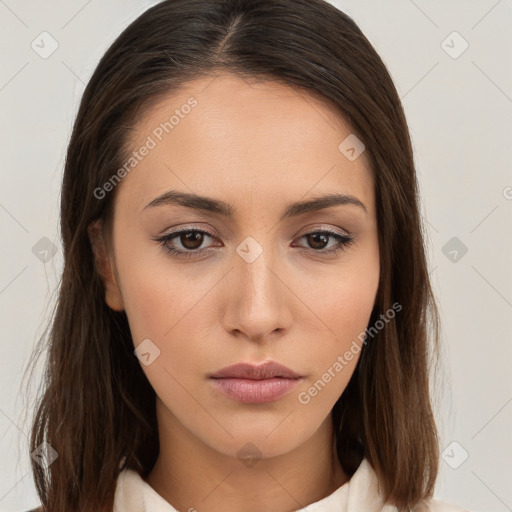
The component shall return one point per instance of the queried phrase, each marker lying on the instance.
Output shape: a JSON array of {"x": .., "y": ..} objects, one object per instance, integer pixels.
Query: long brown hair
[{"x": 97, "y": 408}]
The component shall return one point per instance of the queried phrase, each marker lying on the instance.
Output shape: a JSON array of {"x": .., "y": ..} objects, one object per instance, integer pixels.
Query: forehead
[{"x": 227, "y": 135}]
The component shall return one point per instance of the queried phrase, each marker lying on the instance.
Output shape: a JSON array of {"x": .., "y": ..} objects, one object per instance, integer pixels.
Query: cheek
[
  {"x": 342, "y": 303},
  {"x": 166, "y": 307},
  {"x": 155, "y": 296},
  {"x": 165, "y": 314},
  {"x": 342, "y": 296},
  {"x": 150, "y": 306},
  {"x": 165, "y": 311},
  {"x": 350, "y": 301}
]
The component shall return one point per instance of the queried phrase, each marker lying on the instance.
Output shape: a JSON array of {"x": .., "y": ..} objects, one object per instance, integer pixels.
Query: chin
[{"x": 262, "y": 441}]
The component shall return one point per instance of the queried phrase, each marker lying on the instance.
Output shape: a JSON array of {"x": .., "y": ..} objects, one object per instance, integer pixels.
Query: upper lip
[{"x": 267, "y": 370}]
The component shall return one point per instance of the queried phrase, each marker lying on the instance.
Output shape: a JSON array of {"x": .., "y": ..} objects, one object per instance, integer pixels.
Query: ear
[{"x": 105, "y": 266}]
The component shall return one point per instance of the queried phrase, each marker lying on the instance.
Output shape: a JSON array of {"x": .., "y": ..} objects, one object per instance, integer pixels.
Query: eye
[
  {"x": 187, "y": 243},
  {"x": 319, "y": 240},
  {"x": 189, "y": 239}
]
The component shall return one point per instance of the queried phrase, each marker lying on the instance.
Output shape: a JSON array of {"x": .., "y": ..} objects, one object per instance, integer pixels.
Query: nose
[{"x": 257, "y": 306}]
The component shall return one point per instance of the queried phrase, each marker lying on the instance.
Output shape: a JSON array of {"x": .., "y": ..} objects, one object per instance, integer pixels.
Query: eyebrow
[{"x": 197, "y": 202}]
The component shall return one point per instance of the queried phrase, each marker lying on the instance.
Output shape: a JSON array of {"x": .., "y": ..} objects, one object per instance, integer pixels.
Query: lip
[
  {"x": 266, "y": 370},
  {"x": 250, "y": 383}
]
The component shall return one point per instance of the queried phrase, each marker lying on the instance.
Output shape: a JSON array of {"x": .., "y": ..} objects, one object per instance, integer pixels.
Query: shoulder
[{"x": 365, "y": 484}]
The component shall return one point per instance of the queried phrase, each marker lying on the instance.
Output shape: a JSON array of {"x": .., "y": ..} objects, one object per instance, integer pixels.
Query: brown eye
[
  {"x": 191, "y": 240},
  {"x": 186, "y": 242},
  {"x": 320, "y": 241},
  {"x": 317, "y": 240}
]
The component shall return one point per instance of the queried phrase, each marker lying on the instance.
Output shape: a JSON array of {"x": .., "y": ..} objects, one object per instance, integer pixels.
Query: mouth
[{"x": 255, "y": 384}]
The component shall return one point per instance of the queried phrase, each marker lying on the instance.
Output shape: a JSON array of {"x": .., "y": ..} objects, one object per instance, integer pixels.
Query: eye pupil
[
  {"x": 193, "y": 237},
  {"x": 315, "y": 237}
]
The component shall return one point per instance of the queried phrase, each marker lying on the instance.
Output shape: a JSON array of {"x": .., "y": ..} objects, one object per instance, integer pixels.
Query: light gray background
[{"x": 459, "y": 112}]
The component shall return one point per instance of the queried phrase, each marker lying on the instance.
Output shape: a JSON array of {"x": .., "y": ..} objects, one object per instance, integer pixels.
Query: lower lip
[{"x": 252, "y": 391}]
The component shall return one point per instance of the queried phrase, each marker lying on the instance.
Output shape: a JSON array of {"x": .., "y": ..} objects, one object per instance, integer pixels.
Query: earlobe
[
  {"x": 113, "y": 297},
  {"x": 104, "y": 266}
]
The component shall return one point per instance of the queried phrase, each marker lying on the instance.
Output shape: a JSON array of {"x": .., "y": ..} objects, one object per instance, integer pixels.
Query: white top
[{"x": 359, "y": 494}]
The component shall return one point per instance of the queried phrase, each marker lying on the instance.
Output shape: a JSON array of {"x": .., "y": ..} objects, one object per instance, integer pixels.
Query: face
[{"x": 244, "y": 277}]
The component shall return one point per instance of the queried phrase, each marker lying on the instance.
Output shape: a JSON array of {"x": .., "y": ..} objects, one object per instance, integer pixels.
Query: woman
[{"x": 244, "y": 313}]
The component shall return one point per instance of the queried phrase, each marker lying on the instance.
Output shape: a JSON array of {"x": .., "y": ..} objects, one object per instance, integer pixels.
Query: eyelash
[{"x": 344, "y": 241}]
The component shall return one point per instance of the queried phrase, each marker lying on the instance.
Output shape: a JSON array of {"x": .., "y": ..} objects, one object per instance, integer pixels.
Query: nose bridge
[
  {"x": 253, "y": 273},
  {"x": 256, "y": 302}
]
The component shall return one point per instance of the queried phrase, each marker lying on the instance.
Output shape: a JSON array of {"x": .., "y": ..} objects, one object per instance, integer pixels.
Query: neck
[{"x": 191, "y": 475}]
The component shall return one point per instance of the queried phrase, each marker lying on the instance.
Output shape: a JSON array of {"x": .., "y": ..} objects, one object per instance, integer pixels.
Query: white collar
[{"x": 360, "y": 494}]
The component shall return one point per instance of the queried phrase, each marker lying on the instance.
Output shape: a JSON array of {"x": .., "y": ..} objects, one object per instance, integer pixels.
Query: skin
[{"x": 256, "y": 146}]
